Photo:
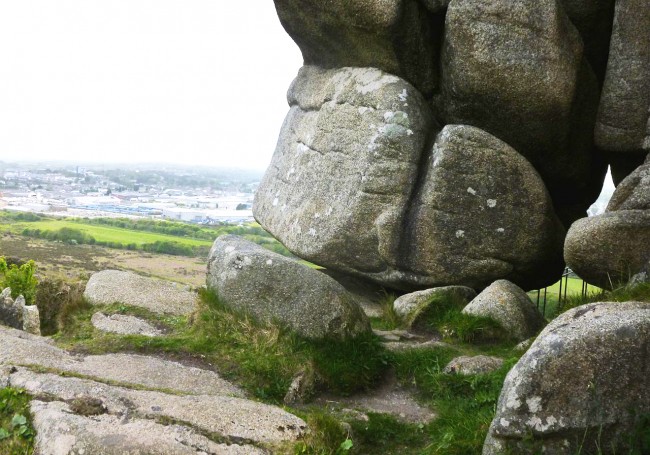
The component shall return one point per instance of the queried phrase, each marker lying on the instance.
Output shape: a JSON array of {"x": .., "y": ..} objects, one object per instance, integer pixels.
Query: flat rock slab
[
  {"x": 388, "y": 399},
  {"x": 158, "y": 296},
  {"x": 235, "y": 419},
  {"x": 124, "y": 325},
  {"x": 16, "y": 348},
  {"x": 61, "y": 432}
]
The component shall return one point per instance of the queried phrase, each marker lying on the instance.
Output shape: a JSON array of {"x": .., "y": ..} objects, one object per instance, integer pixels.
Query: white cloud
[{"x": 198, "y": 82}]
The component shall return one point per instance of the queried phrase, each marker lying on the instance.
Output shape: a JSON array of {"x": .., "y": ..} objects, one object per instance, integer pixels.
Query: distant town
[{"x": 195, "y": 195}]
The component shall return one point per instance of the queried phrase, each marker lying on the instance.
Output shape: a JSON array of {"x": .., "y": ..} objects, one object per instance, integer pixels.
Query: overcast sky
[{"x": 189, "y": 81}]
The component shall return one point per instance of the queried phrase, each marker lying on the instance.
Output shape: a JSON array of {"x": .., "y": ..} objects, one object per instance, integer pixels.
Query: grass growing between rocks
[
  {"x": 16, "y": 431},
  {"x": 263, "y": 358}
]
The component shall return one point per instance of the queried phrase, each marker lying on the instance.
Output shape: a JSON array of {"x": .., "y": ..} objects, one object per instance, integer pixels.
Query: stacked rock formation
[{"x": 434, "y": 143}]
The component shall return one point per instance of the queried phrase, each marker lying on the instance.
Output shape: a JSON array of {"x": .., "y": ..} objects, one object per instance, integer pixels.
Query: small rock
[
  {"x": 480, "y": 364},
  {"x": 302, "y": 387},
  {"x": 395, "y": 335},
  {"x": 31, "y": 320},
  {"x": 11, "y": 315},
  {"x": 510, "y": 306},
  {"x": 524, "y": 345},
  {"x": 410, "y": 306},
  {"x": 271, "y": 287},
  {"x": 159, "y": 296},
  {"x": 124, "y": 325},
  {"x": 402, "y": 346}
]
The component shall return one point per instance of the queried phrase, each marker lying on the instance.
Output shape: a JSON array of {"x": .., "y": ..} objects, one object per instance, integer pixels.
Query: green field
[
  {"x": 573, "y": 289},
  {"x": 103, "y": 233}
]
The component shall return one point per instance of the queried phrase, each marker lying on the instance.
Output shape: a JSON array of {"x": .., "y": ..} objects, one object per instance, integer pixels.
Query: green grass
[
  {"x": 572, "y": 288},
  {"x": 263, "y": 358},
  {"x": 16, "y": 431},
  {"x": 103, "y": 233}
]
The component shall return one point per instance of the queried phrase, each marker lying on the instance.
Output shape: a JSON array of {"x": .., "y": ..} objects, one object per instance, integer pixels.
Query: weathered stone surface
[
  {"x": 344, "y": 169},
  {"x": 124, "y": 325},
  {"x": 61, "y": 432},
  {"x": 409, "y": 303},
  {"x": 31, "y": 319},
  {"x": 271, "y": 287},
  {"x": 510, "y": 306},
  {"x": 397, "y": 36},
  {"x": 482, "y": 213},
  {"x": 623, "y": 115},
  {"x": 11, "y": 314},
  {"x": 633, "y": 193},
  {"x": 479, "y": 364},
  {"x": 17, "y": 314},
  {"x": 19, "y": 348},
  {"x": 593, "y": 19},
  {"x": 235, "y": 419},
  {"x": 608, "y": 249},
  {"x": 583, "y": 382},
  {"x": 159, "y": 296},
  {"x": 516, "y": 70}
]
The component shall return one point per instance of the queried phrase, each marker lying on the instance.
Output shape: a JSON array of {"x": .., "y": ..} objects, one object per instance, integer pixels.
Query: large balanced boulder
[
  {"x": 481, "y": 213},
  {"x": 516, "y": 70},
  {"x": 583, "y": 386},
  {"x": 396, "y": 36},
  {"x": 344, "y": 168},
  {"x": 510, "y": 306},
  {"x": 273, "y": 288}
]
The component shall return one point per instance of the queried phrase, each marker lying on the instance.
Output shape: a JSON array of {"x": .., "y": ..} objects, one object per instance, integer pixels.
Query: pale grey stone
[
  {"x": 60, "y": 432},
  {"x": 469, "y": 365},
  {"x": 159, "y": 296},
  {"x": 396, "y": 36},
  {"x": 273, "y": 288},
  {"x": 482, "y": 213},
  {"x": 633, "y": 193},
  {"x": 235, "y": 419},
  {"x": 510, "y": 306},
  {"x": 346, "y": 162},
  {"x": 623, "y": 114},
  {"x": 580, "y": 387},
  {"x": 124, "y": 325},
  {"x": 407, "y": 304},
  {"x": 31, "y": 319},
  {"x": 18, "y": 348}
]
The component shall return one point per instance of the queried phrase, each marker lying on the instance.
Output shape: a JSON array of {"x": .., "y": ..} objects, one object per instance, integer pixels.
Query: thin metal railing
[{"x": 562, "y": 295}]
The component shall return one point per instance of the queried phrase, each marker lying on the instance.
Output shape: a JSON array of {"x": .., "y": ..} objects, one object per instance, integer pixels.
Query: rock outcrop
[
  {"x": 158, "y": 296},
  {"x": 364, "y": 182},
  {"x": 273, "y": 288},
  {"x": 510, "y": 306},
  {"x": 582, "y": 386},
  {"x": 17, "y": 314}
]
